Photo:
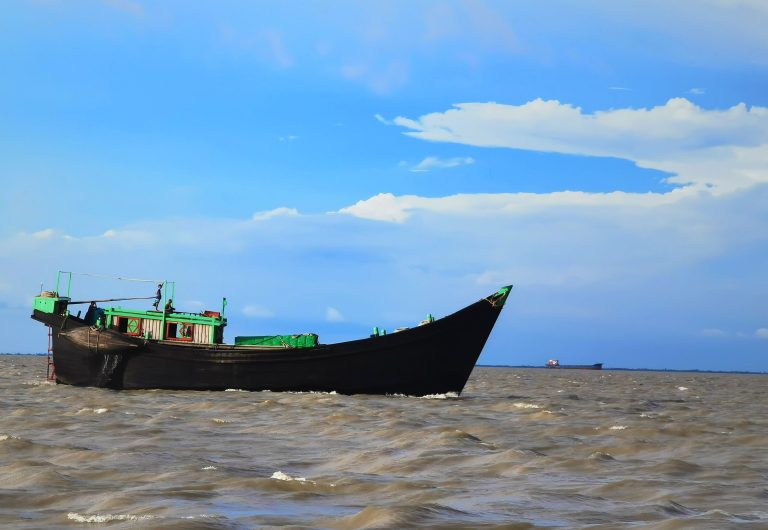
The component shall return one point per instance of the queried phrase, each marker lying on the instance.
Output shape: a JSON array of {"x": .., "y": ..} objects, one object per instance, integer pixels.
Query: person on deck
[
  {"x": 158, "y": 296},
  {"x": 91, "y": 313},
  {"x": 169, "y": 306}
]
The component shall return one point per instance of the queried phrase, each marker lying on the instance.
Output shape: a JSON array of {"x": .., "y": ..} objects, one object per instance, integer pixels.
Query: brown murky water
[{"x": 520, "y": 449}]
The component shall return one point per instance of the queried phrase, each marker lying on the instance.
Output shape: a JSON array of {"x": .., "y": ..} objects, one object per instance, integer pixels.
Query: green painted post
[
  {"x": 58, "y": 279},
  {"x": 162, "y": 320},
  {"x": 69, "y": 285}
]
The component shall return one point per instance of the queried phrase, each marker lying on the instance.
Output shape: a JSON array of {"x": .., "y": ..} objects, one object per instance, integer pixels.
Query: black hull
[{"x": 431, "y": 359}]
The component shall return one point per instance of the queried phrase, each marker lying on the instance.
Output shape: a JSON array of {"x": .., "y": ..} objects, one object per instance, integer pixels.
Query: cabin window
[
  {"x": 129, "y": 326},
  {"x": 179, "y": 331}
]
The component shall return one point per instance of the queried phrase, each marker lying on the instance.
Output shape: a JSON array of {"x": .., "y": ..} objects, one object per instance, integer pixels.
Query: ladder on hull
[{"x": 51, "y": 374}]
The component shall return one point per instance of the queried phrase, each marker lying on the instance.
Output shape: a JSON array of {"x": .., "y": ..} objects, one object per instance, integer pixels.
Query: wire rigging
[{"x": 105, "y": 276}]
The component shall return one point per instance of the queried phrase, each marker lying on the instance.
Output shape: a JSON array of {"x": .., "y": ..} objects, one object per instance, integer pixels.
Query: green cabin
[{"x": 206, "y": 327}]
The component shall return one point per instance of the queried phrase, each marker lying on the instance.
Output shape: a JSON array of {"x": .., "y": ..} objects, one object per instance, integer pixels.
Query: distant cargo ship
[{"x": 554, "y": 363}]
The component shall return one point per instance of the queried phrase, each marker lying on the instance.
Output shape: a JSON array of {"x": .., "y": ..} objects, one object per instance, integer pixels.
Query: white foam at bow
[{"x": 447, "y": 395}]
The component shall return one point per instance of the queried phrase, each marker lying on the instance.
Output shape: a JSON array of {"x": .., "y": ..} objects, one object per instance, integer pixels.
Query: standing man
[{"x": 158, "y": 296}]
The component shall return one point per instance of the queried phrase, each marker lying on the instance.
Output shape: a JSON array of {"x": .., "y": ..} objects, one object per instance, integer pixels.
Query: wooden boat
[
  {"x": 128, "y": 349},
  {"x": 554, "y": 363}
]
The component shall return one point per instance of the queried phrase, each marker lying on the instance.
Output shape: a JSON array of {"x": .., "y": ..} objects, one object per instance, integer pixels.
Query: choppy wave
[
  {"x": 106, "y": 518},
  {"x": 100, "y": 410},
  {"x": 521, "y": 405},
  {"x": 279, "y": 475},
  {"x": 519, "y": 449}
]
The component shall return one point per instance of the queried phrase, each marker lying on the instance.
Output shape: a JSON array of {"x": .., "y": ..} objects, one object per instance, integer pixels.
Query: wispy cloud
[
  {"x": 257, "y": 311},
  {"x": 433, "y": 162},
  {"x": 382, "y": 119},
  {"x": 380, "y": 78},
  {"x": 761, "y": 333},
  {"x": 277, "y": 212},
  {"x": 126, "y": 6},
  {"x": 43, "y": 234},
  {"x": 620, "y": 88},
  {"x": 696, "y": 91},
  {"x": 278, "y": 49},
  {"x": 268, "y": 45},
  {"x": 289, "y": 138},
  {"x": 333, "y": 315}
]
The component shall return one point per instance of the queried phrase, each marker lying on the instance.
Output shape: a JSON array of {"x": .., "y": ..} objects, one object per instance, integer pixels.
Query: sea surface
[{"x": 519, "y": 449}]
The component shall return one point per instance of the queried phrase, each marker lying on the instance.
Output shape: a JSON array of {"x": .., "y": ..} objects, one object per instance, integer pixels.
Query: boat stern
[{"x": 50, "y": 303}]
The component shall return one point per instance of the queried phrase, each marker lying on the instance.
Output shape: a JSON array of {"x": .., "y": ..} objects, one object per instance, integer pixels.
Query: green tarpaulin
[{"x": 306, "y": 340}]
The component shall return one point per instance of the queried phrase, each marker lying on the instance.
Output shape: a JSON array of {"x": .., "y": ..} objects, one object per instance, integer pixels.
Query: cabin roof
[{"x": 176, "y": 316}]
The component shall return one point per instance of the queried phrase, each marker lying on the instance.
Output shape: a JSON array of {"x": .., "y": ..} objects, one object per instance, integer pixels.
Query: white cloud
[
  {"x": 382, "y": 119},
  {"x": 257, "y": 311},
  {"x": 433, "y": 162},
  {"x": 383, "y": 207},
  {"x": 573, "y": 238},
  {"x": 333, "y": 315},
  {"x": 761, "y": 333},
  {"x": 277, "y": 212},
  {"x": 389, "y": 207},
  {"x": 697, "y": 91},
  {"x": 726, "y": 149}
]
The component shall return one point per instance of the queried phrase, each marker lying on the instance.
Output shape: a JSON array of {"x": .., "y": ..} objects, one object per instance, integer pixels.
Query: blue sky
[{"x": 334, "y": 166}]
